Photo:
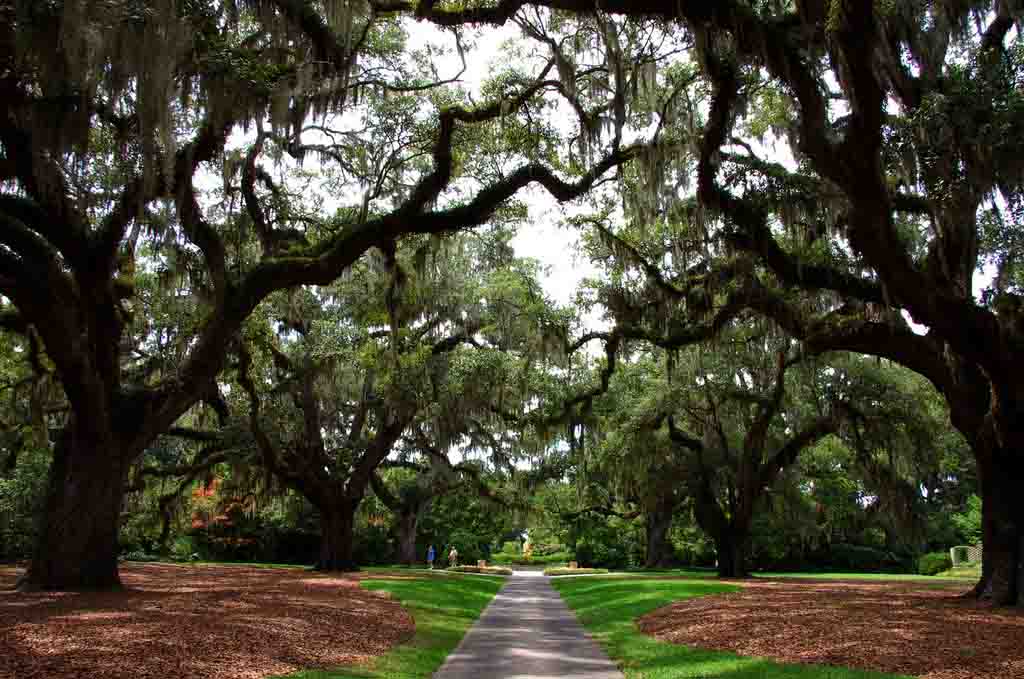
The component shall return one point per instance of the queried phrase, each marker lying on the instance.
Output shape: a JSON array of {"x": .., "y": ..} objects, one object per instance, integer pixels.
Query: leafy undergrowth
[
  {"x": 575, "y": 571},
  {"x": 608, "y": 609},
  {"x": 444, "y": 607}
]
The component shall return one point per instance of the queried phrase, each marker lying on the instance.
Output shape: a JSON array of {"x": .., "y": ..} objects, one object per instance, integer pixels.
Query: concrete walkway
[{"x": 527, "y": 632}]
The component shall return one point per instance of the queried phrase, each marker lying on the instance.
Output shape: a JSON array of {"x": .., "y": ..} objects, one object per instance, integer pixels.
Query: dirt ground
[
  {"x": 903, "y": 628},
  {"x": 210, "y": 622}
]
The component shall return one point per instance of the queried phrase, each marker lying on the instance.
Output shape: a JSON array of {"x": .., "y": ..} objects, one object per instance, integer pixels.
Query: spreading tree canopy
[
  {"x": 897, "y": 172},
  {"x": 113, "y": 114}
]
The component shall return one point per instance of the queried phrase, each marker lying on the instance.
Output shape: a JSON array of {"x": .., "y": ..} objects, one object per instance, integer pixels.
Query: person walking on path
[
  {"x": 430, "y": 557},
  {"x": 453, "y": 557}
]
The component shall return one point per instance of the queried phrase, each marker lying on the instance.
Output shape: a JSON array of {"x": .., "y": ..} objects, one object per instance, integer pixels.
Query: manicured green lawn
[
  {"x": 443, "y": 606},
  {"x": 968, "y": 572},
  {"x": 608, "y": 608}
]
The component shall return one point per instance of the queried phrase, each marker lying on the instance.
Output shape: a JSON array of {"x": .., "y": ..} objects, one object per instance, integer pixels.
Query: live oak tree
[
  {"x": 408, "y": 492},
  {"x": 418, "y": 352},
  {"x": 701, "y": 321},
  {"x": 891, "y": 480},
  {"x": 903, "y": 119},
  {"x": 718, "y": 426},
  {"x": 410, "y": 484},
  {"x": 640, "y": 467},
  {"x": 114, "y": 113},
  {"x": 325, "y": 414},
  {"x": 903, "y": 123}
]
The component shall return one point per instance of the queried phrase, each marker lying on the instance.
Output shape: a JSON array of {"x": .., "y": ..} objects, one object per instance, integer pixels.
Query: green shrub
[
  {"x": 574, "y": 571},
  {"x": 848, "y": 557},
  {"x": 372, "y": 545},
  {"x": 612, "y": 543},
  {"x": 603, "y": 554},
  {"x": 281, "y": 543},
  {"x": 934, "y": 563},
  {"x": 548, "y": 549},
  {"x": 139, "y": 556},
  {"x": 486, "y": 570},
  {"x": 519, "y": 560},
  {"x": 186, "y": 548}
]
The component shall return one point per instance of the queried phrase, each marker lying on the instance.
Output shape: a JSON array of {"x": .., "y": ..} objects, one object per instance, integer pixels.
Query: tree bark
[
  {"x": 1002, "y": 579},
  {"x": 337, "y": 534},
  {"x": 78, "y": 541},
  {"x": 659, "y": 551},
  {"x": 406, "y": 528},
  {"x": 732, "y": 546}
]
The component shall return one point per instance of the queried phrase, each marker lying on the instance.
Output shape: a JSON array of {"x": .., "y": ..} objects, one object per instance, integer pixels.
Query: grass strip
[
  {"x": 608, "y": 609},
  {"x": 967, "y": 572},
  {"x": 444, "y": 608}
]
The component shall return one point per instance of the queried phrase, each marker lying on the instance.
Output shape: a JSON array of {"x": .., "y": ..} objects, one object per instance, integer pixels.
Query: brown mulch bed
[
  {"x": 212, "y": 622},
  {"x": 903, "y": 628}
]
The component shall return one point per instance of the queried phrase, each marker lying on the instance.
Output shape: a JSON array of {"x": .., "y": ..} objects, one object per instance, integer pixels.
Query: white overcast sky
[{"x": 542, "y": 239}]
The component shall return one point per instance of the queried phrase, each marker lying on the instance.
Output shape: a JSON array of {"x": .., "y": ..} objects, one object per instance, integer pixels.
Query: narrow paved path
[{"x": 527, "y": 632}]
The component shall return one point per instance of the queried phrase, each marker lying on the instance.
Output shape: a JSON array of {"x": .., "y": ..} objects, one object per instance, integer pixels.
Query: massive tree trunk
[
  {"x": 337, "y": 523},
  {"x": 659, "y": 549},
  {"x": 1002, "y": 578},
  {"x": 733, "y": 547},
  {"x": 730, "y": 543},
  {"x": 730, "y": 533},
  {"x": 406, "y": 526},
  {"x": 78, "y": 541}
]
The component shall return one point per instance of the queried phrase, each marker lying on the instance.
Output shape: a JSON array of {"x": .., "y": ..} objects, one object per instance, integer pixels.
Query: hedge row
[
  {"x": 487, "y": 570},
  {"x": 574, "y": 571}
]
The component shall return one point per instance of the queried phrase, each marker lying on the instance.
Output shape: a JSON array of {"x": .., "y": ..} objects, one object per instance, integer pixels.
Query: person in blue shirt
[{"x": 430, "y": 556}]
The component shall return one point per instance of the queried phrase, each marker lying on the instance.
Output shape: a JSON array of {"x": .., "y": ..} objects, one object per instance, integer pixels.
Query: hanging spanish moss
[{"x": 113, "y": 58}]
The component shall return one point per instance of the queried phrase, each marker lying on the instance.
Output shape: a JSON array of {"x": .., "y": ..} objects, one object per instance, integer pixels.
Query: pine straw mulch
[
  {"x": 904, "y": 628},
  {"x": 178, "y": 622}
]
